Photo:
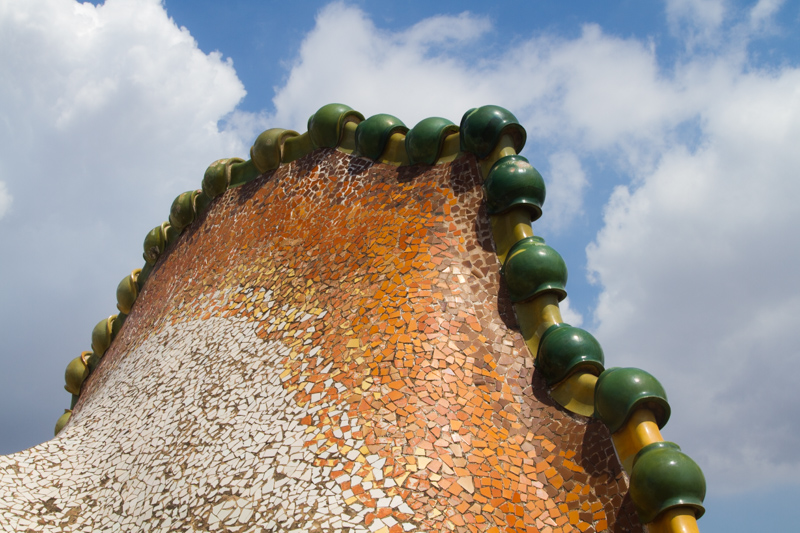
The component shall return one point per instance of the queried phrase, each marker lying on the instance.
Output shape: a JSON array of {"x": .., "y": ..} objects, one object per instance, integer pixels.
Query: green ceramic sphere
[
  {"x": 93, "y": 360},
  {"x": 621, "y": 391},
  {"x": 171, "y": 234},
  {"x": 533, "y": 268},
  {"x": 513, "y": 182},
  {"x": 373, "y": 134},
  {"x": 127, "y": 292},
  {"x": 326, "y": 125},
  {"x": 424, "y": 141},
  {"x": 564, "y": 349},
  {"x": 116, "y": 326},
  {"x": 101, "y": 336},
  {"x": 154, "y": 244},
  {"x": 75, "y": 375},
  {"x": 216, "y": 178},
  {"x": 201, "y": 202},
  {"x": 181, "y": 214},
  {"x": 62, "y": 421},
  {"x": 482, "y": 127},
  {"x": 266, "y": 151},
  {"x": 143, "y": 276},
  {"x": 663, "y": 477}
]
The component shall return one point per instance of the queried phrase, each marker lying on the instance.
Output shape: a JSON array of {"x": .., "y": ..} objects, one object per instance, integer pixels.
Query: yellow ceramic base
[
  {"x": 639, "y": 431},
  {"x": 535, "y": 316},
  {"x": 296, "y": 147},
  {"x": 509, "y": 228},
  {"x": 348, "y": 141},
  {"x": 679, "y": 520},
  {"x": 576, "y": 393},
  {"x": 450, "y": 149},
  {"x": 395, "y": 151},
  {"x": 503, "y": 148}
]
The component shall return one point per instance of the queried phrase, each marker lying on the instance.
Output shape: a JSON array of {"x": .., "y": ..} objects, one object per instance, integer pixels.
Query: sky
[{"x": 667, "y": 133}]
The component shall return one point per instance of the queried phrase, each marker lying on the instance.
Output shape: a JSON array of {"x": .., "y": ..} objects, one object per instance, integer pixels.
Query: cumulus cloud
[
  {"x": 578, "y": 89},
  {"x": 570, "y": 315},
  {"x": 764, "y": 11},
  {"x": 701, "y": 13},
  {"x": 410, "y": 72},
  {"x": 704, "y": 25},
  {"x": 698, "y": 22},
  {"x": 565, "y": 186},
  {"x": 106, "y": 114},
  {"x": 699, "y": 279}
]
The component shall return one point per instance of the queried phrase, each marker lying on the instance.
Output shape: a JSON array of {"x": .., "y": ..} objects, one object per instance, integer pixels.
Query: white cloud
[
  {"x": 442, "y": 30},
  {"x": 409, "y": 74},
  {"x": 106, "y": 114},
  {"x": 764, "y": 11},
  {"x": 116, "y": 99},
  {"x": 709, "y": 13},
  {"x": 5, "y": 199},
  {"x": 565, "y": 185},
  {"x": 698, "y": 267},
  {"x": 572, "y": 91},
  {"x": 600, "y": 90},
  {"x": 721, "y": 24},
  {"x": 699, "y": 21},
  {"x": 570, "y": 315}
]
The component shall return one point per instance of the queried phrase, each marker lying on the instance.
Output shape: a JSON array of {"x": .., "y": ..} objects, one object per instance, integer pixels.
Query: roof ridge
[{"x": 666, "y": 486}]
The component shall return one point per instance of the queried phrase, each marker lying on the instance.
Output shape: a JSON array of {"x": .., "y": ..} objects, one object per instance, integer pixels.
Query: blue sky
[{"x": 667, "y": 133}]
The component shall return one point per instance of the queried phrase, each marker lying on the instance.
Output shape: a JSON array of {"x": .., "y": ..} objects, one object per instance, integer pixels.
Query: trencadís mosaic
[{"x": 323, "y": 339}]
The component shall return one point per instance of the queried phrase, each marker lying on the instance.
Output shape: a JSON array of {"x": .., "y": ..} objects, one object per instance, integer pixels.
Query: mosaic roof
[{"x": 355, "y": 330}]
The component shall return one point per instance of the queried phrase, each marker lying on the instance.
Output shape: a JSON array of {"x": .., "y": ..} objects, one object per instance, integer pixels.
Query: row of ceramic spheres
[
  {"x": 184, "y": 210},
  {"x": 480, "y": 131},
  {"x": 662, "y": 476},
  {"x": 79, "y": 368}
]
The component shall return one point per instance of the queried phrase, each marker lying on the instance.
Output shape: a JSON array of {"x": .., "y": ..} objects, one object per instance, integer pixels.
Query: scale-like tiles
[{"x": 329, "y": 348}]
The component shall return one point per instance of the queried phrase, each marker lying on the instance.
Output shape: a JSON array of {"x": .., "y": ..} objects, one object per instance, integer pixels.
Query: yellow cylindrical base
[
  {"x": 678, "y": 520},
  {"x": 509, "y": 228},
  {"x": 450, "y": 148},
  {"x": 576, "y": 393},
  {"x": 640, "y": 430},
  {"x": 394, "y": 153},
  {"x": 535, "y": 316},
  {"x": 296, "y": 147},
  {"x": 504, "y": 147},
  {"x": 347, "y": 143}
]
